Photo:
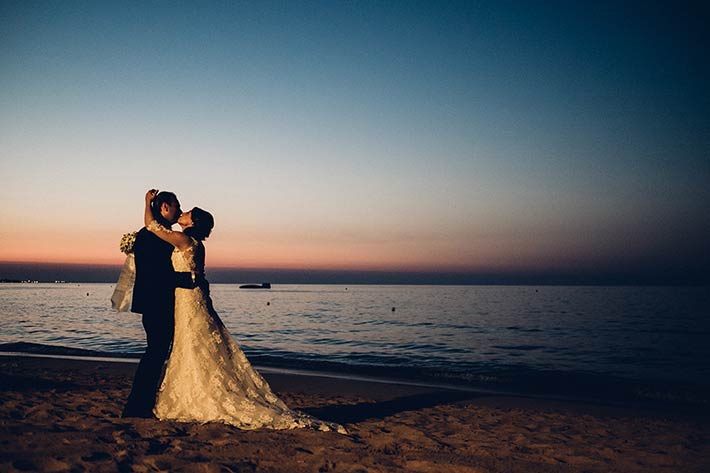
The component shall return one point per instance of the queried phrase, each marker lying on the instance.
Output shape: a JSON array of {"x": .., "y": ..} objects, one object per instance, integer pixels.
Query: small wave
[
  {"x": 519, "y": 347},
  {"x": 516, "y": 328},
  {"x": 41, "y": 349}
]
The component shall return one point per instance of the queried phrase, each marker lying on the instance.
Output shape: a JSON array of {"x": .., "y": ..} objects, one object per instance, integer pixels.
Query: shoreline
[
  {"x": 359, "y": 378},
  {"x": 64, "y": 415},
  {"x": 562, "y": 386}
]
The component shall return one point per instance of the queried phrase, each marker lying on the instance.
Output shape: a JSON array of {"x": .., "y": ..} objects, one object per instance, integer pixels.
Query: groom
[{"x": 154, "y": 297}]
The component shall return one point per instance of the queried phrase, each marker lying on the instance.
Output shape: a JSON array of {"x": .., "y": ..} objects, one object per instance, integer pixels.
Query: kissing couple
[{"x": 207, "y": 378}]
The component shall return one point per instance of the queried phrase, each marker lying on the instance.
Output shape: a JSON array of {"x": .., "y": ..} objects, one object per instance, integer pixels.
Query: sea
[{"x": 616, "y": 343}]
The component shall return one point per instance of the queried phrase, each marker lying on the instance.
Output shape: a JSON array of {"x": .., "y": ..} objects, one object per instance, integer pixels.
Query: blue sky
[{"x": 467, "y": 136}]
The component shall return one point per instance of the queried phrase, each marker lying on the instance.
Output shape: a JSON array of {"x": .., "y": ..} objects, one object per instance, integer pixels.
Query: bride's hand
[{"x": 150, "y": 195}]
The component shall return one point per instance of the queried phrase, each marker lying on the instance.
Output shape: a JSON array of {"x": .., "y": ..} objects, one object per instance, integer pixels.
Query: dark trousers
[{"x": 159, "y": 328}]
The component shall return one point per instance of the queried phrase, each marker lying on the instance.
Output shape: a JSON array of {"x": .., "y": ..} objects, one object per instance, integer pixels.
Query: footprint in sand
[
  {"x": 49, "y": 465},
  {"x": 97, "y": 457},
  {"x": 24, "y": 465}
]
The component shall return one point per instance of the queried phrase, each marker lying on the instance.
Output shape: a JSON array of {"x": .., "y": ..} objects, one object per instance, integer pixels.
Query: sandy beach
[{"x": 63, "y": 415}]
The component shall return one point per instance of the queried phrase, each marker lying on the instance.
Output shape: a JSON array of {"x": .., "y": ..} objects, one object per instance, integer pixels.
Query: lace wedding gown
[{"x": 208, "y": 377}]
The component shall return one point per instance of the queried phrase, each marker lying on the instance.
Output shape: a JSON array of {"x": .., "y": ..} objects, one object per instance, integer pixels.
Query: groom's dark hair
[{"x": 163, "y": 197}]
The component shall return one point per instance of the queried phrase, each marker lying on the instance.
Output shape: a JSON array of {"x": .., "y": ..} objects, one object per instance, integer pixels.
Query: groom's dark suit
[{"x": 154, "y": 297}]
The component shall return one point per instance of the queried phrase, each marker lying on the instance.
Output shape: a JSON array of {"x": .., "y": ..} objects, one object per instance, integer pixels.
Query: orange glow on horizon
[
  {"x": 403, "y": 257},
  {"x": 365, "y": 250},
  {"x": 224, "y": 252}
]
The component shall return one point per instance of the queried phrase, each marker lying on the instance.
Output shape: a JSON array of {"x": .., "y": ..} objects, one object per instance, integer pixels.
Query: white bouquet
[
  {"x": 127, "y": 242},
  {"x": 123, "y": 293}
]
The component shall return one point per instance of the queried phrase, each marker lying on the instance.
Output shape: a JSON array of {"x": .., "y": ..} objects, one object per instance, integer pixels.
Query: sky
[{"x": 458, "y": 137}]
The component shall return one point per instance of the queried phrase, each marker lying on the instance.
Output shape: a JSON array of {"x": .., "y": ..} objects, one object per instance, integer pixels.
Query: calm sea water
[{"x": 455, "y": 332}]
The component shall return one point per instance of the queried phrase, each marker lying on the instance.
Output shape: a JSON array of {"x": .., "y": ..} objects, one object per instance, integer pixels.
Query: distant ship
[{"x": 265, "y": 285}]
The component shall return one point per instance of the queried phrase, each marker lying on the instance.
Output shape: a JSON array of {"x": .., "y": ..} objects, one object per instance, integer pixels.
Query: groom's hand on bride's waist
[{"x": 188, "y": 279}]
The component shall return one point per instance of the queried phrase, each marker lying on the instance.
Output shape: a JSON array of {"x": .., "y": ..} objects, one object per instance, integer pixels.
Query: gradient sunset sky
[{"x": 400, "y": 136}]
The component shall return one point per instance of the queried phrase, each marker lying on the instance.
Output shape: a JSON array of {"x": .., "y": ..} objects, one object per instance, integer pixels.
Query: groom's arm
[{"x": 185, "y": 279}]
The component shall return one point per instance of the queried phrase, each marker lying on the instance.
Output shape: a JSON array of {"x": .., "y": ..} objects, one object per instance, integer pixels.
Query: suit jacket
[{"x": 154, "y": 288}]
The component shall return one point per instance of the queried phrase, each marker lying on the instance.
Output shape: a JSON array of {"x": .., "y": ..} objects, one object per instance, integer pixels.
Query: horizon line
[{"x": 108, "y": 273}]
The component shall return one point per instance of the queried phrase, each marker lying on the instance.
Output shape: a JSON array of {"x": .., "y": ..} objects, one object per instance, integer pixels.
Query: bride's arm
[{"x": 177, "y": 239}]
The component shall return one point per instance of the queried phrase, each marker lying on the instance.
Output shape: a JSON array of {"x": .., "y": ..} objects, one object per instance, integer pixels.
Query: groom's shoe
[
  {"x": 137, "y": 416},
  {"x": 127, "y": 413}
]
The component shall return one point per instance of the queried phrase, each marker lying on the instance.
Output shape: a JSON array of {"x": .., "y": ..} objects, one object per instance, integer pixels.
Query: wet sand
[{"x": 63, "y": 415}]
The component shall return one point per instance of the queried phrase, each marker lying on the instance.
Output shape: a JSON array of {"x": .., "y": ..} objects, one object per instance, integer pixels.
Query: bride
[{"x": 208, "y": 377}]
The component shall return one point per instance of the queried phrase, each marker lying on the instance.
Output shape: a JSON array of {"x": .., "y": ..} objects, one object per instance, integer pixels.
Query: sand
[{"x": 63, "y": 415}]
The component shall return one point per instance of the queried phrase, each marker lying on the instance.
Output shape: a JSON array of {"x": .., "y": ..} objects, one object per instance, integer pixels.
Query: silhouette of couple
[{"x": 207, "y": 377}]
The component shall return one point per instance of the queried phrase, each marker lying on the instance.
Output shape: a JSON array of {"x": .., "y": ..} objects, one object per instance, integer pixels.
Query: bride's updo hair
[{"x": 203, "y": 222}]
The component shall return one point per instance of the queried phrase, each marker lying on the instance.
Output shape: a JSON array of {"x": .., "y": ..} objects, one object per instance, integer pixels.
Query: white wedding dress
[{"x": 208, "y": 377}]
